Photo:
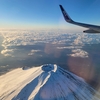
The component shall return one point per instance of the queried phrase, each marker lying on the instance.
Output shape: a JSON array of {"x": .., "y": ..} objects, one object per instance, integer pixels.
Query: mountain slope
[{"x": 47, "y": 82}]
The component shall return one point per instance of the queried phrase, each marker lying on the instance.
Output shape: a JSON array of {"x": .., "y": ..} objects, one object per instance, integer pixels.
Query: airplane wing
[{"x": 91, "y": 28}]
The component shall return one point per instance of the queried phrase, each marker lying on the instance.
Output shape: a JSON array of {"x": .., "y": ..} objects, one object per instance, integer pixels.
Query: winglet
[{"x": 66, "y": 16}]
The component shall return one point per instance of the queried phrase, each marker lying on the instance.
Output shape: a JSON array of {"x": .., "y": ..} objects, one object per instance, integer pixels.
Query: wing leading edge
[{"x": 91, "y": 28}]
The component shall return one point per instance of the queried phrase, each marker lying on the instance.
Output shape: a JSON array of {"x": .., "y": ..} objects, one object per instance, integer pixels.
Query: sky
[{"x": 36, "y": 14}]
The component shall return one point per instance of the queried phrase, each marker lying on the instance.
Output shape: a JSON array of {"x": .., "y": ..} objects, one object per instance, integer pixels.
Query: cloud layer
[{"x": 72, "y": 41}]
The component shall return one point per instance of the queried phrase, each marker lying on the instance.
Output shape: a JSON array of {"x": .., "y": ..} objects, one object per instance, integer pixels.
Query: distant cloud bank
[{"x": 72, "y": 41}]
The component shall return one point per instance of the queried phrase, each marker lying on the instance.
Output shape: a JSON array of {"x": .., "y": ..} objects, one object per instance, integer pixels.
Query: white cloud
[
  {"x": 61, "y": 37},
  {"x": 7, "y": 52},
  {"x": 79, "y": 53},
  {"x": 4, "y": 66},
  {"x": 32, "y": 52},
  {"x": 70, "y": 47}
]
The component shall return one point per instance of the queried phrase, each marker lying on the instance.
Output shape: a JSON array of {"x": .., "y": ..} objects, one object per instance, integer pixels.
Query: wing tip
[{"x": 66, "y": 16}]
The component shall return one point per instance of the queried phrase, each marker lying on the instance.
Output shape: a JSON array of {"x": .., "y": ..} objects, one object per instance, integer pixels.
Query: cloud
[
  {"x": 4, "y": 66},
  {"x": 7, "y": 52},
  {"x": 69, "y": 47},
  {"x": 32, "y": 52},
  {"x": 79, "y": 53},
  {"x": 66, "y": 40}
]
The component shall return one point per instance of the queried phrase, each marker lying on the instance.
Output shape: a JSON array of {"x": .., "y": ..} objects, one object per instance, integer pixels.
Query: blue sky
[{"x": 46, "y": 13}]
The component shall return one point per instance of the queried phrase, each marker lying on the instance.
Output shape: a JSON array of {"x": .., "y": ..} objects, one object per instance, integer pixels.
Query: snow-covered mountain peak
[
  {"x": 47, "y": 82},
  {"x": 49, "y": 67}
]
